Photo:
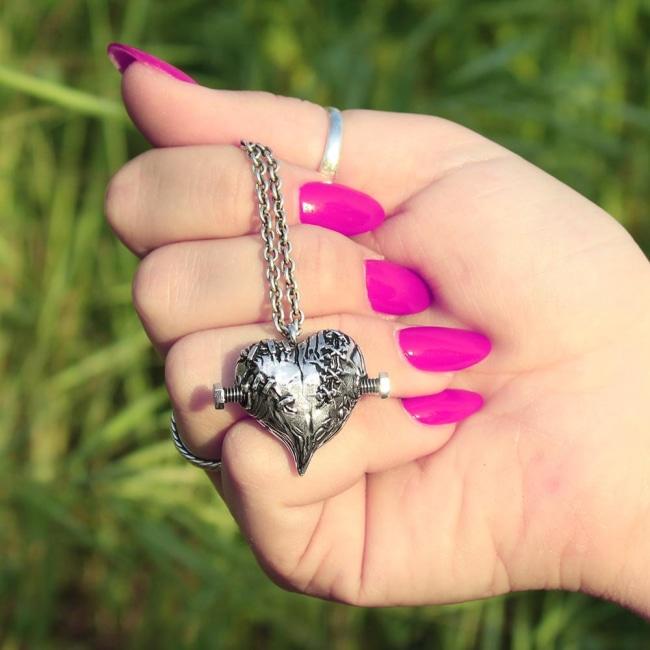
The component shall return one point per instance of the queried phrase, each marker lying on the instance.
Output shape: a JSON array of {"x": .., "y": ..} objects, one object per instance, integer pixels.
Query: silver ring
[
  {"x": 203, "y": 463},
  {"x": 332, "y": 152}
]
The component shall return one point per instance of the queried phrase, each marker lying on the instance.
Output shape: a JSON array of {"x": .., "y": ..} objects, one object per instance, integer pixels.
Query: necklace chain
[{"x": 277, "y": 252}]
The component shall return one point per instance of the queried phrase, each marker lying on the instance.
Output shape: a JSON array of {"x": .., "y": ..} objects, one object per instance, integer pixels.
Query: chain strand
[{"x": 280, "y": 265}]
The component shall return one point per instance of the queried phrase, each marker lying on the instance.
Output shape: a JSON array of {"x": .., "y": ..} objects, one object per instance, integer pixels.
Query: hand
[{"x": 544, "y": 487}]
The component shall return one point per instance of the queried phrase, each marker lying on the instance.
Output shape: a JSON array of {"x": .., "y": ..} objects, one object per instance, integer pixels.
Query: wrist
[
  {"x": 615, "y": 536},
  {"x": 586, "y": 501},
  {"x": 617, "y": 562}
]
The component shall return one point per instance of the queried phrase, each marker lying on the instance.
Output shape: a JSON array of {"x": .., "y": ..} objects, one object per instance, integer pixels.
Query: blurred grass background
[{"x": 107, "y": 539}]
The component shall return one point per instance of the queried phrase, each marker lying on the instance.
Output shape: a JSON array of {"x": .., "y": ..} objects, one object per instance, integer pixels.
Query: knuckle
[
  {"x": 218, "y": 188},
  {"x": 116, "y": 200},
  {"x": 178, "y": 370},
  {"x": 122, "y": 196},
  {"x": 153, "y": 286},
  {"x": 287, "y": 102},
  {"x": 240, "y": 191},
  {"x": 299, "y": 113},
  {"x": 204, "y": 187}
]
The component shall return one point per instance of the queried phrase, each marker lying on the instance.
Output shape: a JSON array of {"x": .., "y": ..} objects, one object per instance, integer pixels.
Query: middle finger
[{"x": 189, "y": 286}]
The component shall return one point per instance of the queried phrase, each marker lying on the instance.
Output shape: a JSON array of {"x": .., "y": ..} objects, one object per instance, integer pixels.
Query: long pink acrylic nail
[
  {"x": 442, "y": 348},
  {"x": 339, "y": 208},
  {"x": 395, "y": 289},
  {"x": 451, "y": 405},
  {"x": 122, "y": 56}
]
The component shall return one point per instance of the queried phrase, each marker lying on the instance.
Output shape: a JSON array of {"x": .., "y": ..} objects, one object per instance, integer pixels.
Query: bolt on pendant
[{"x": 223, "y": 395}]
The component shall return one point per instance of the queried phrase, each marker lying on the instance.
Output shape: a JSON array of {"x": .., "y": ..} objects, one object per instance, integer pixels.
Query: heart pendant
[{"x": 302, "y": 393}]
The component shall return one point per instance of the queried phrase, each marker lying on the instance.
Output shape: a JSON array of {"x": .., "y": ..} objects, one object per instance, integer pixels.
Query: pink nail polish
[
  {"x": 394, "y": 289},
  {"x": 122, "y": 56},
  {"x": 442, "y": 348},
  {"x": 450, "y": 405},
  {"x": 339, "y": 208}
]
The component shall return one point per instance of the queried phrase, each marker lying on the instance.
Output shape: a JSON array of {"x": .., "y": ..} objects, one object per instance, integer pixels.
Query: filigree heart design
[{"x": 302, "y": 393}]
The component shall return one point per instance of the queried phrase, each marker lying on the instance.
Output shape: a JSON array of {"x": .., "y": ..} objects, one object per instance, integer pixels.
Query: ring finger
[{"x": 380, "y": 433}]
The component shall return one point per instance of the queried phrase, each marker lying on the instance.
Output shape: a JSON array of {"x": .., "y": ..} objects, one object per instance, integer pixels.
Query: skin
[{"x": 546, "y": 487}]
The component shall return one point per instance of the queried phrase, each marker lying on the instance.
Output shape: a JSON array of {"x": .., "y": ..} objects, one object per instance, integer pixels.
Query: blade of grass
[{"x": 71, "y": 99}]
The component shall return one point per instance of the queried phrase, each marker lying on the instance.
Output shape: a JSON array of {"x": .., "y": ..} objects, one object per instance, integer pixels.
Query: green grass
[{"x": 108, "y": 540}]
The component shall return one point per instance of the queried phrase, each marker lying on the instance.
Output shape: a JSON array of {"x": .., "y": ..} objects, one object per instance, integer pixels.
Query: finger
[
  {"x": 315, "y": 548},
  {"x": 201, "y": 192},
  {"x": 198, "y": 360},
  {"x": 387, "y": 155},
  {"x": 309, "y": 530},
  {"x": 185, "y": 287},
  {"x": 514, "y": 252},
  {"x": 379, "y": 435},
  {"x": 356, "y": 545}
]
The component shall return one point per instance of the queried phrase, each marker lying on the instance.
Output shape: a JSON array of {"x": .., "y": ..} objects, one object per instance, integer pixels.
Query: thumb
[
  {"x": 388, "y": 155},
  {"x": 171, "y": 109}
]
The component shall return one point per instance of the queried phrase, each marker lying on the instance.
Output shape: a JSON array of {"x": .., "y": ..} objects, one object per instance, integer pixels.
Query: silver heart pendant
[{"x": 303, "y": 393}]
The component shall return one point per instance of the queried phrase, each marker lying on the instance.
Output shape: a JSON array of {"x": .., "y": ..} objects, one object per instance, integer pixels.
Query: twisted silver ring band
[
  {"x": 203, "y": 463},
  {"x": 332, "y": 152}
]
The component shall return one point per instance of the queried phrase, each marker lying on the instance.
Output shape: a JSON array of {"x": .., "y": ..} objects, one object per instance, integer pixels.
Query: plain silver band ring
[
  {"x": 203, "y": 463},
  {"x": 332, "y": 152}
]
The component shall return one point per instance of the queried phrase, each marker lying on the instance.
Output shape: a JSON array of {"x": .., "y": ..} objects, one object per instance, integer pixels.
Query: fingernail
[
  {"x": 122, "y": 56},
  {"x": 442, "y": 348},
  {"x": 394, "y": 289},
  {"x": 450, "y": 405},
  {"x": 339, "y": 208}
]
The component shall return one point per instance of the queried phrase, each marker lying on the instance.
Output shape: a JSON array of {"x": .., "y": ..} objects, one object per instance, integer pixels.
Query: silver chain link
[{"x": 270, "y": 206}]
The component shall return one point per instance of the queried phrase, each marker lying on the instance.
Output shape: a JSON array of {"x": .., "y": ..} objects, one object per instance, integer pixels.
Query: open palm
[{"x": 538, "y": 488}]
